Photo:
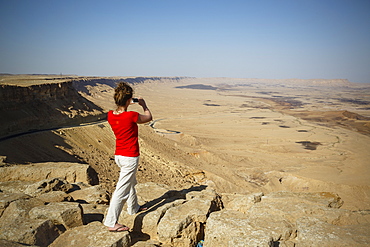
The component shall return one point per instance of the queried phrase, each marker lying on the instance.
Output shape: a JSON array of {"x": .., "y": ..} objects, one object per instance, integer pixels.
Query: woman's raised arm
[{"x": 147, "y": 116}]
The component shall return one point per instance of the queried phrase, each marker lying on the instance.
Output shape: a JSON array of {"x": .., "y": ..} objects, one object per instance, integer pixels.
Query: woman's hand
[
  {"x": 147, "y": 116},
  {"x": 141, "y": 102}
]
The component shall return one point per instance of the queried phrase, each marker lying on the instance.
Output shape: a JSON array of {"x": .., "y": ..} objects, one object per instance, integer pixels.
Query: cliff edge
[{"x": 43, "y": 106}]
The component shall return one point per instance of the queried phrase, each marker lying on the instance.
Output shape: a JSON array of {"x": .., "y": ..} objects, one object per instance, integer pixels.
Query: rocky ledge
[{"x": 61, "y": 204}]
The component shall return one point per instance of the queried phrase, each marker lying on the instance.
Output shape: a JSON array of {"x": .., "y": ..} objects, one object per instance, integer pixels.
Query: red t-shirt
[{"x": 125, "y": 129}]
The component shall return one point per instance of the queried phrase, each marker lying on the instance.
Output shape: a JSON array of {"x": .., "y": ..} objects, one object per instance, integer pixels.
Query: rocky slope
[{"x": 55, "y": 204}]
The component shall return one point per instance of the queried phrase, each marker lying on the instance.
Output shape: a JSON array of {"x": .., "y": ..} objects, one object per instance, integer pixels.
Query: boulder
[
  {"x": 93, "y": 194},
  {"x": 151, "y": 191},
  {"x": 93, "y": 234},
  {"x": 47, "y": 185},
  {"x": 327, "y": 199},
  {"x": 205, "y": 193},
  {"x": 149, "y": 243},
  {"x": 2, "y": 160},
  {"x": 184, "y": 225},
  {"x": 93, "y": 212},
  {"x": 177, "y": 217},
  {"x": 18, "y": 210},
  {"x": 158, "y": 198},
  {"x": 293, "y": 205},
  {"x": 68, "y": 214},
  {"x": 288, "y": 219},
  {"x": 72, "y": 172},
  {"x": 38, "y": 232},
  {"x": 234, "y": 228},
  {"x": 55, "y": 196},
  {"x": 15, "y": 186},
  {"x": 16, "y": 226},
  {"x": 7, "y": 198},
  {"x": 8, "y": 243},
  {"x": 147, "y": 221},
  {"x": 50, "y": 187},
  {"x": 161, "y": 202},
  {"x": 314, "y": 232},
  {"x": 241, "y": 203}
]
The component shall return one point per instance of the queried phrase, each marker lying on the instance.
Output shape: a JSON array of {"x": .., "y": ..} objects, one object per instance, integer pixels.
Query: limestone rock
[
  {"x": 149, "y": 243},
  {"x": 240, "y": 202},
  {"x": 15, "y": 186},
  {"x": 94, "y": 195},
  {"x": 55, "y": 196},
  {"x": 55, "y": 188},
  {"x": 93, "y": 212},
  {"x": 158, "y": 198},
  {"x": 47, "y": 185},
  {"x": 288, "y": 219},
  {"x": 207, "y": 194},
  {"x": 16, "y": 226},
  {"x": 7, "y": 198},
  {"x": 2, "y": 160},
  {"x": 32, "y": 232},
  {"x": 151, "y": 191},
  {"x": 293, "y": 205},
  {"x": 147, "y": 222},
  {"x": 233, "y": 228},
  {"x": 68, "y": 214},
  {"x": 326, "y": 199},
  {"x": 178, "y": 218},
  {"x": 313, "y": 232},
  {"x": 72, "y": 172},
  {"x": 93, "y": 234},
  {"x": 8, "y": 243},
  {"x": 183, "y": 225},
  {"x": 18, "y": 210}
]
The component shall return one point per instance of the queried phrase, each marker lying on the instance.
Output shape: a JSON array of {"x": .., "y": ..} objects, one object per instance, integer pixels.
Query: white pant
[{"x": 125, "y": 190}]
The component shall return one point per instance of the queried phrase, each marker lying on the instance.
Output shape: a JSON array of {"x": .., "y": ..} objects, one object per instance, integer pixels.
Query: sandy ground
[{"x": 234, "y": 136}]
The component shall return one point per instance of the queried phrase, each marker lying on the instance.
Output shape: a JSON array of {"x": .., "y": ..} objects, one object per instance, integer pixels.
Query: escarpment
[
  {"x": 45, "y": 106},
  {"x": 44, "y": 103}
]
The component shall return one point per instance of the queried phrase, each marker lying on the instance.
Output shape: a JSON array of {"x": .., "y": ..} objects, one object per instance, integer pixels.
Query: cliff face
[
  {"x": 43, "y": 106},
  {"x": 84, "y": 84},
  {"x": 48, "y": 105}
]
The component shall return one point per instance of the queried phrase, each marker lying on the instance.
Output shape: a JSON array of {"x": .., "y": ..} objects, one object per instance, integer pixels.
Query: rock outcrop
[
  {"x": 71, "y": 172},
  {"x": 66, "y": 214},
  {"x": 46, "y": 106},
  {"x": 56, "y": 212},
  {"x": 288, "y": 219},
  {"x": 93, "y": 234}
]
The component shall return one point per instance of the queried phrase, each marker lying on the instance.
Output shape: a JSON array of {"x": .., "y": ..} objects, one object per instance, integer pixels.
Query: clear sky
[{"x": 274, "y": 39}]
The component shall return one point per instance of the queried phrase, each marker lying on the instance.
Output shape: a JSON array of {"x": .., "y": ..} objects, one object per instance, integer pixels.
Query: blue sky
[{"x": 275, "y": 39}]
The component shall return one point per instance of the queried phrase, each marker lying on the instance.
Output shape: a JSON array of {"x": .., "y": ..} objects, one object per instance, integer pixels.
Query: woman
[{"x": 124, "y": 125}]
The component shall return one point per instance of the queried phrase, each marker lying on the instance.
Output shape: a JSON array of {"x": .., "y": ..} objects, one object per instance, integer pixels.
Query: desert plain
[
  {"x": 236, "y": 135},
  {"x": 270, "y": 135}
]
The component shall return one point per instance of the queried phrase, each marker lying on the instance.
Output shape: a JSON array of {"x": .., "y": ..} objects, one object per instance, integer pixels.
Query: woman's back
[{"x": 125, "y": 129}]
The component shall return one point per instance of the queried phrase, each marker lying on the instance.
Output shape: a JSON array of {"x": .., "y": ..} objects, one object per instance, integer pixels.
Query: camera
[{"x": 135, "y": 100}]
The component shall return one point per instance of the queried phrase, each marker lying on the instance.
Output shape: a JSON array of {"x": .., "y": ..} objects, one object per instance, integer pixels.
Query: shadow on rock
[{"x": 157, "y": 208}]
